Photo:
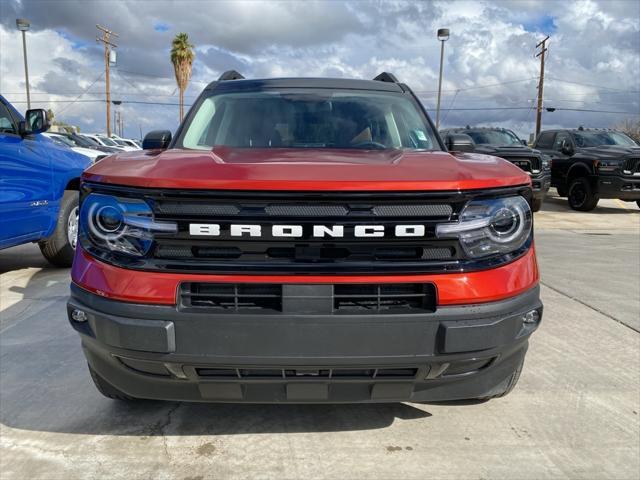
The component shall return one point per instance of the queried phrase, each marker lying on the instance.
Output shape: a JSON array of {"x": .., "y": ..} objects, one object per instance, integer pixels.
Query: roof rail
[
  {"x": 230, "y": 75},
  {"x": 386, "y": 77}
]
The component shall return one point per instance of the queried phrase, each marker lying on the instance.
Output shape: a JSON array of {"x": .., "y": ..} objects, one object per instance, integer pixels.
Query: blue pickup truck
[{"x": 38, "y": 186}]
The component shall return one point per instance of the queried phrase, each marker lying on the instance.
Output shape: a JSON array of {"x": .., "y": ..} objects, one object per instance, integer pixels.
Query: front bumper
[
  {"x": 618, "y": 186},
  {"x": 160, "y": 352},
  {"x": 540, "y": 184}
]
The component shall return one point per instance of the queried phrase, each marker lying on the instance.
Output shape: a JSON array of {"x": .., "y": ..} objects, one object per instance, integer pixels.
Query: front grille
[
  {"x": 272, "y": 253},
  {"x": 528, "y": 164},
  {"x": 631, "y": 166},
  {"x": 323, "y": 299},
  {"x": 303, "y": 233}
]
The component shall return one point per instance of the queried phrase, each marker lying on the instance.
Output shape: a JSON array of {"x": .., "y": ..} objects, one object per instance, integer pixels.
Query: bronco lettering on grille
[{"x": 297, "y": 231}]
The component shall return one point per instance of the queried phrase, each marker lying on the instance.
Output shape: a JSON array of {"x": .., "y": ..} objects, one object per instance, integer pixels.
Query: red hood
[{"x": 305, "y": 169}]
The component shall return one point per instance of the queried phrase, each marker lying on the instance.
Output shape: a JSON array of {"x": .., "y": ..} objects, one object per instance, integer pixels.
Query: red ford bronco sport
[{"x": 305, "y": 240}]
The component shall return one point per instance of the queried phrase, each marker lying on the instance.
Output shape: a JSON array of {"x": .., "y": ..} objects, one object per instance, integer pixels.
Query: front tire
[
  {"x": 581, "y": 196},
  {"x": 638, "y": 203},
  {"x": 106, "y": 389},
  {"x": 536, "y": 204},
  {"x": 510, "y": 384},
  {"x": 60, "y": 247}
]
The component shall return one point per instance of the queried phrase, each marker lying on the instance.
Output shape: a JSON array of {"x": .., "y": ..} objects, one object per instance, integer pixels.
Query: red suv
[{"x": 305, "y": 240}]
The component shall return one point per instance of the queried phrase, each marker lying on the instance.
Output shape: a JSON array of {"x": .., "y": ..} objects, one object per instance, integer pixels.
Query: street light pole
[
  {"x": 23, "y": 25},
  {"x": 443, "y": 36}
]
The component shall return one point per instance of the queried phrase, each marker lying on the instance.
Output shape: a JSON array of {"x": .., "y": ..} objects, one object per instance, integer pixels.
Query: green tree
[{"x": 182, "y": 56}]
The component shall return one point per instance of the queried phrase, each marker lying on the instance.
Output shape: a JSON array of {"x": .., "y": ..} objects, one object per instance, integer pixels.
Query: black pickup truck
[
  {"x": 503, "y": 143},
  {"x": 590, "y": 164}
]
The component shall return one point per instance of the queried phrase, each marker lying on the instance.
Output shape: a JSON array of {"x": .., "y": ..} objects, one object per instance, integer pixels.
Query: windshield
[
  {"x": 82, "y": 141},
  {"x": 108, "y": 141},
  {"x": 62, "y": 139},
  {"x": 308, "y": 118},
  {"x": 597, "y": 139},
  {"x": 493, "y": 137}
]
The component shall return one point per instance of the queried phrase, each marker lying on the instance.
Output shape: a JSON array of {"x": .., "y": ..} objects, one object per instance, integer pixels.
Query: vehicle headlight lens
[
  {"x": 492, "y": 226},
  {"x": 119, "y": 225},
  {"x": 607, "y": 166}
]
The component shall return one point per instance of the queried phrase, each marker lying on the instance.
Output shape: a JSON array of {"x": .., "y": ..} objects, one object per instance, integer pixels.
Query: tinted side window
[
  {"x": 6, "y": 122},
  {"x": 545, "y": 140}
]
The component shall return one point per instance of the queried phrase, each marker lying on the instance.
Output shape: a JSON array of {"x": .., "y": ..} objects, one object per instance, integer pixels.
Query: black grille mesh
[
  {"x": 413, "y": 210},
  {"x": 306, "y": 210}
]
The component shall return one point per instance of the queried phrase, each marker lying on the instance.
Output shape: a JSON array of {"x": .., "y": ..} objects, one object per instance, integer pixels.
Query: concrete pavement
[{"x": 574, "y": 414}]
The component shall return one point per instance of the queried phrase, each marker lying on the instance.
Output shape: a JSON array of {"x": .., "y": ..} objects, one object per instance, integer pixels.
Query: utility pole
[
  {"x": 106, "y": 40},
  {"x": 543, "y": 49}
]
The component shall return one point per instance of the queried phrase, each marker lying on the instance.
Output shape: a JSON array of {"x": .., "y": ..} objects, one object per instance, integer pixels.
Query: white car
[
  {"x": 94, "y": 155},
  {"x": 126, "y": 142},
  {"x": 106, "y": 141}
]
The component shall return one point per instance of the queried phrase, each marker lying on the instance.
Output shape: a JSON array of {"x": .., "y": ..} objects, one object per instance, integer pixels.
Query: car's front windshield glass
[
  {"x": 308, "y": 118},
  {"x": 108, "y": 141},
  {"x": 64, "y": 140},
  {"x": 492, "y": 137},
  {"x": 82, "y": 141},
  {"x": 598, "y": 139}
]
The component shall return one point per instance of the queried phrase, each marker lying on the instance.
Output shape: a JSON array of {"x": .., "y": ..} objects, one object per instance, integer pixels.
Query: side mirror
[
  {"x": 36, "y": 121},
  {"x": 566, "y": 148},
  {"x": 524, "y": 142},
  {"x": 459, "y": 142},
  {"x": 156, "y": 140}
]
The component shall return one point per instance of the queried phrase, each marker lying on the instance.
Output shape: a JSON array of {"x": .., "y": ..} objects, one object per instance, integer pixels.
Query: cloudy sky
[{"x": 490, "y": 68}]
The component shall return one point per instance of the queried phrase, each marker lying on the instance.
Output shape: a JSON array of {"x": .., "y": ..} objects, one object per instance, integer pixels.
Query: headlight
[
  {"x": 492, "y": 226},
  {"x": 120, "y": 225},
  {"x": 607, "y": 166}
]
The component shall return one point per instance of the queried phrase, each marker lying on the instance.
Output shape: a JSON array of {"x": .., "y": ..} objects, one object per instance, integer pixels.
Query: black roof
[
  {"x": 462, "y": 129},
  {"x": 580, "y": 129},
  {"x": 305, "y": 82}
]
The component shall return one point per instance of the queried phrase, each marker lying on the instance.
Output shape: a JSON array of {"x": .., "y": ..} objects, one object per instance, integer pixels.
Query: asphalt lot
[{"x": 574, "y": 414}]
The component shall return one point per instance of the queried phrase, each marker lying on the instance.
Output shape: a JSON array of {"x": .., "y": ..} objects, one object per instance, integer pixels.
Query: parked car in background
[
  {"x": 126, "y": 142},
  {"x": 59, "y": 139},
  {"x": 86, "y": 142},
  {"x": 104, "y": 141},
  {"x": 590, "y": 164},
  {"x": 126, "y": 145},
  {"x": 40, "y": 180},
  {"x": 504, "y": 143}
]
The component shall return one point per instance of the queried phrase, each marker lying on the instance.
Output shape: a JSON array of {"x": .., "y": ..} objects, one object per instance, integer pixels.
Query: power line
[
  {"x": 478, "y": 87},
  {"x": 81, "y": 94},
  {"x": 592, "y": 85}
]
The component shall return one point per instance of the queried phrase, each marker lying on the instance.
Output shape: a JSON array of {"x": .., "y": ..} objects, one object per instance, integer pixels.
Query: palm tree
[{"x": 182, "y": 56}]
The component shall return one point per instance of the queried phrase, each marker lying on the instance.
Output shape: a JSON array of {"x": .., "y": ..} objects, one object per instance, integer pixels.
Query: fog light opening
[
  {"x": 79, "y": 315},
  {"x": 175, "y": 370},
  {"x": 531, "y": 317}
]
